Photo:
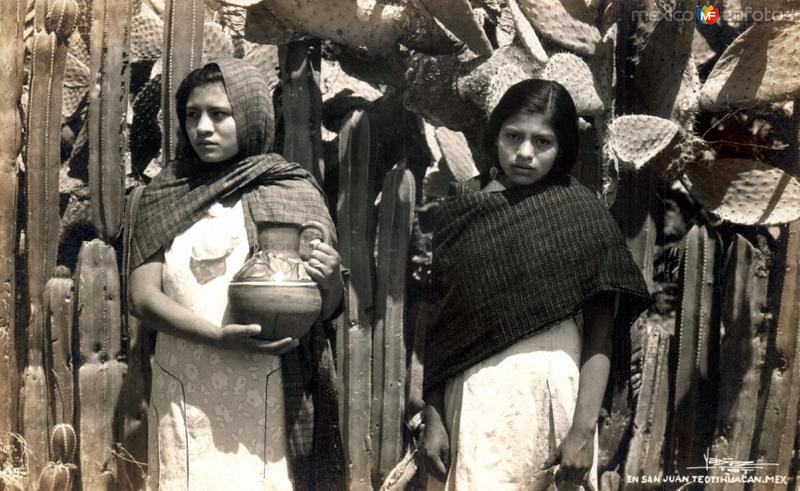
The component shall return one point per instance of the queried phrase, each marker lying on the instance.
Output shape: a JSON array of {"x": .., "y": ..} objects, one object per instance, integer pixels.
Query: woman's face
[
  {"x": 210, "y": 124},
  {"x": 526, "y": 148}
]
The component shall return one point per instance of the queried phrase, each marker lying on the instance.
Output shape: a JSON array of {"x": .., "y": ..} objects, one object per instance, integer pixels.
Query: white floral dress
[{"x": 216, "y": 416}]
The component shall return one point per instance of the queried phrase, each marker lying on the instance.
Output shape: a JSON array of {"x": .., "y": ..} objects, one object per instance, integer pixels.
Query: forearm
[
  {"x": 595, "y": 363},
  {"x": 434, "y": 402},
  {"x": 167, "y": 316},
  {"x": 331, "y": 298}
]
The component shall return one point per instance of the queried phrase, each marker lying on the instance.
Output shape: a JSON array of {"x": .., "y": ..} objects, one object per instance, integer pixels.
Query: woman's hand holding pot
[
  {"x": 323, "y": 265},
  {"x": 435, "y": 445},
  {"x": 575, "y": 455},
  {"x": 239, "y": 337}
]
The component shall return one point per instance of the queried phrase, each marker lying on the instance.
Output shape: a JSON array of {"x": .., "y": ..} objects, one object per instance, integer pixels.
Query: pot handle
[{"x": 326, "y": 236}]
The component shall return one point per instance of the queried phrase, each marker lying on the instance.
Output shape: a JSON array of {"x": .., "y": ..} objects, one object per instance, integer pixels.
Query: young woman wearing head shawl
[
  {"x": 226, "y": 411},
  {"x": 528, "y": 265}
]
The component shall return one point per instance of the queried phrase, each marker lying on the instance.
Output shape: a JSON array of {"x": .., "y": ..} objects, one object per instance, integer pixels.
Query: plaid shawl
[
  {"x": 510, "y": 264},
  {"x": 272, "y": 190}
]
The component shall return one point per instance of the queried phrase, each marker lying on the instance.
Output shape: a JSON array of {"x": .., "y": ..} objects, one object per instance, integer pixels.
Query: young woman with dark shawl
[
  {"x": 229, "y": 411},
  {"x": 528, "y": 268}
]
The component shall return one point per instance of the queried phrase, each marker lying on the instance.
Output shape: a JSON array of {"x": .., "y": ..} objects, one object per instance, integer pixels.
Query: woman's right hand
[
  {"x": 435, "y": 445},
  {"x": 239, "y": 337}
]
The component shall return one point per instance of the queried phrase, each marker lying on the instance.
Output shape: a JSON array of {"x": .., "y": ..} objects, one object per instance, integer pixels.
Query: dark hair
[
  {"x": 536, "y": 96},
  {"x": 206, "y": 75}
]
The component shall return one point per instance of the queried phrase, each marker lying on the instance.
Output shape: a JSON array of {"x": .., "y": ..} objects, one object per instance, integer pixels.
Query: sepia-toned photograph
[{"x": 388, "y": 245}]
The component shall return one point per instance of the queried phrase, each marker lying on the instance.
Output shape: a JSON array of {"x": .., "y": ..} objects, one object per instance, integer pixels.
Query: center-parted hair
[{"x": 546, "y": 97}]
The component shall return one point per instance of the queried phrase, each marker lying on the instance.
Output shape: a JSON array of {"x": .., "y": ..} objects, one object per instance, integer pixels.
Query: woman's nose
[
  {"x": 204, "y": 124},
  {"x": 525, "y": 150}
]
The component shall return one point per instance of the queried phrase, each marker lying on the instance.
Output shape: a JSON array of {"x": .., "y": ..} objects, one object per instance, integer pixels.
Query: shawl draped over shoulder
[
  {"x": 271, "y": 190},
  {"x": 509, "y": 264}
]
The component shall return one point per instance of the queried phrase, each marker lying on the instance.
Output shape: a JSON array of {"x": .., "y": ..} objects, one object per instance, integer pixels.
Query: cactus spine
[
  {"x": 97, "y": 294},
  {"x": 395, "y": 219},
  {"x": 693, "y": 373},
  {"x": 11, "y": 49},
  {"x": 742, "y": 349},
  {"x": 356, "y": 219},
  {"x": 108, "y": 103},
  {"x": 58, "y": 345},
  {"x": 183, "y": 48}
]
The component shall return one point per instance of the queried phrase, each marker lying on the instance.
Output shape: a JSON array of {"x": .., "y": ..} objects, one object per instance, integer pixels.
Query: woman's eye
[
  {"x": 544, "y": 142},
  {"x": 513, "y": 136},
  {"x": 191, "y": 114},
  {"x": 220, "y": 114}
]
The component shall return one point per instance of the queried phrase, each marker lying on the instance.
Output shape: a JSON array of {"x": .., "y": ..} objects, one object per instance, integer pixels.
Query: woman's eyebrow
[
  {"x": 538, "y": 133},
  {"x": 210, "y": 108}
]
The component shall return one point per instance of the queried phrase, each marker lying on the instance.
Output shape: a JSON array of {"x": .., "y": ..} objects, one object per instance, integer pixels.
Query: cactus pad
[
  {"x": 506, "y": 76},
  {"x": 457, "y": 16},
  {"x": 746, "y": 192},
  {"x": 147, "y": 36},
  {"x": 335, "y": 81},
  {"x": 217, "y": 43},
  {"x": 569, "y": 23},
  {"x": 526, "y": 34},
  {"x": 759, "y": 66},
  {"x": 636, "y": 139},
  {"x": 265, "y": 58},
  {"x": 457, "y": 156},
  {"x": 76, "y": 85},
  {"x": 576, "y": 76}
]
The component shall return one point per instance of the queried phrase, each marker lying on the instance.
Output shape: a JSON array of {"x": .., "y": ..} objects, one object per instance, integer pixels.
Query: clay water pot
[{"x": 272, "y": 289}]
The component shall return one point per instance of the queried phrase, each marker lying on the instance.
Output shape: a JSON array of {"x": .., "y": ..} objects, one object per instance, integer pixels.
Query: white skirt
[{"x": 507, "y": 414}]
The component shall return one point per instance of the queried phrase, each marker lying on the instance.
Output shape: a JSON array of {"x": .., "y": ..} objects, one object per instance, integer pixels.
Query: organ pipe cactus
[
  {"x": 356, "y": 219},
  {"x": 108, "y": 103},
  {"x": 395, "y": 220},
  {"x": 302, "y": 106},
  {"x": 58, "y": 477},
  {"x": 98, "y": 315},
  {"x": 11, "y": 53},
  {"x": 650, "y": 422},
  {"x": 696, "y": 322},
  {"x": 742, "y": 349},
  {"x": 183, "y": 48},
  {"x": 58, "y": 345},
  {"x": 43, "y": 160}
]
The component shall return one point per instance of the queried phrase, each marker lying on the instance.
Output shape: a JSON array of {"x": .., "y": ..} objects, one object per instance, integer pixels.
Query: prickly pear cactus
[
  {"x": 569, "y": 23},
  {"x": 456, "y": 154},
  {"x": 746, "y": 192},
  {"x": 636, "y": 139},
  {"x": 759, "y": 66},
  {"x": 11, "y": 55},
  {"x": 576, "y": 76},
  {"x": 527, "y": 35},
  {"x": 457, "y": 16}
]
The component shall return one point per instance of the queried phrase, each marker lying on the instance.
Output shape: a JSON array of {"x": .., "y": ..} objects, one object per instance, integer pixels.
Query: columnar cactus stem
[
  {"x": 650, "y": 422},
  {"x": 11, "y": 52},
  {"x": 742, "y": 350},
  {"x": 58, "y": 345},
  {"x": 692, "y": 404},
  {"x": 356, "y": 220},
  {"x": 135, "y": 391},
  {"x": 395, "y": 221},
  {"x": 779, "y": 423},
  {"x": 97, "y": 294},
  {"x": 183, "y": 49},
  {"x": 108, "y": 103},
  {"x": 302, "y": 105},
  {"x": 43, "y": 160}
]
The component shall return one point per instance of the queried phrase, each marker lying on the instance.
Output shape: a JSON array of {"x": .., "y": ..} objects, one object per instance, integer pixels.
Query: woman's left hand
[
  {"x": 323, "y": 265},
  {"x": 574, "y": 455}
]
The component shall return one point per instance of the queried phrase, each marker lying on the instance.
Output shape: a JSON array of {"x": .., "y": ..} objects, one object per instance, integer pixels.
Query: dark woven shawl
[
  {"x": 510, "y": 264},
  {"x": 272, "y": 190}
]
